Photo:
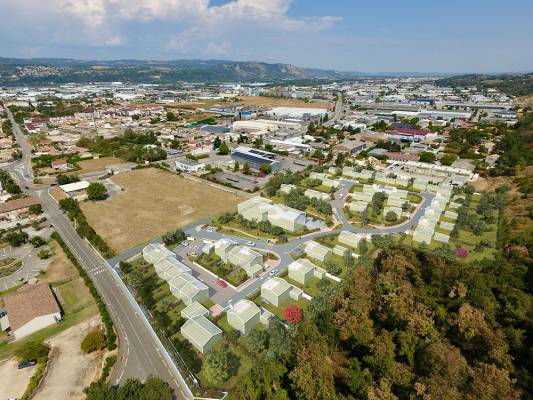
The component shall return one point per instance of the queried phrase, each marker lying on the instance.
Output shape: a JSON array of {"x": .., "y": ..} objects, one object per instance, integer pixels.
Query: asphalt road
[{"x": 141, "y": 354}]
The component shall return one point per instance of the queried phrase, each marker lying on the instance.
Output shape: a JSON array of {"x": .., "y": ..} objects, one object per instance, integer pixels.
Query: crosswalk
[{"x": 96, "y": 271}]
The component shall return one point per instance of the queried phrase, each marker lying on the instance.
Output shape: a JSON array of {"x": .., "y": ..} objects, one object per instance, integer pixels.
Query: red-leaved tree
[{"x": 293, "y": 314}]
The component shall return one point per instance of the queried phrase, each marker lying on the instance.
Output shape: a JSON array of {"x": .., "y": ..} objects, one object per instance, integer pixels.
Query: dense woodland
[{"x": 419, "y": 324}]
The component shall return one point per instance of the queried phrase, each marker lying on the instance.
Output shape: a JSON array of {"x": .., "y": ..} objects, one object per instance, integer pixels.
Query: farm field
[{"x": 153, "y": 202}]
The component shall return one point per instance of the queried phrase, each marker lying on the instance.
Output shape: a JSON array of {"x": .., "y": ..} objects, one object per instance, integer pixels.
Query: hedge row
[
  {"x": 35, "y": 380},
  {"x": 106, "y": 318},
  {"x": 74, "y": 213}
]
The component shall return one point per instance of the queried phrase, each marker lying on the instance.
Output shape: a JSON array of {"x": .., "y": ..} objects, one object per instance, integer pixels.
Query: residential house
[
  {"x": 201, "y": 333},
  {"x": 30, "y": 309},
  {"x": 244, "y": 316}
]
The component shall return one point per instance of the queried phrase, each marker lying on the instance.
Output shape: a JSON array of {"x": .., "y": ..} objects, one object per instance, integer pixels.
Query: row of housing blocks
[{"x": 425, "y": 230}]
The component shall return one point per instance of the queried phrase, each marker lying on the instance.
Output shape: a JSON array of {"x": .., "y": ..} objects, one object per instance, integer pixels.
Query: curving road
[{"x": 140, "y": 353}]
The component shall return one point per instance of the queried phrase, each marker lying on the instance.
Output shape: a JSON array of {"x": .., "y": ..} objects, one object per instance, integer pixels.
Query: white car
[
  {"x": 273, "y": 272},
  {"x": 250, "y": 243}
]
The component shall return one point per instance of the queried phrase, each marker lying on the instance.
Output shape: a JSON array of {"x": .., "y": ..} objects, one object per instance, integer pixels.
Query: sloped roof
[{"x": 28, "y": 303}]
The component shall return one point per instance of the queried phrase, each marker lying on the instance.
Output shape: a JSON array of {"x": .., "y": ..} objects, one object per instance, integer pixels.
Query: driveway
[{"x": 71, "y": 370}]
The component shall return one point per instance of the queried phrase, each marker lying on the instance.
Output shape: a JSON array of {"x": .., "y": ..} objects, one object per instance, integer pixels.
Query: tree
[
  {"x": 217, "y": 366},
  {"x": 293, "y": 314},
  {"x": 96, "y": 191},
  {"x": 362, "y": 247},
  {"x": 136, "y": 279},
  {"x": 265, "y": 168},
  {"x": 66, "y": 179},
  {"x": 246, "y": 169},
  {"x": 95, "y": 340},
  {"x": 35, "y": 209},
  {"x": 427, "y": 157},
  {"x": 37, "y": 241},
  {"x": 223, "y": 150},
  {"x": 171, "y": 117},
  {"x": 448, "y": 159},
  {"x": 217, "y": 142},
  {"x": 391, "y": 216},
  {"x": 236, "y": 166},
  {"x": 257, "y": 341},
  {"x": 16, "y": 238}
]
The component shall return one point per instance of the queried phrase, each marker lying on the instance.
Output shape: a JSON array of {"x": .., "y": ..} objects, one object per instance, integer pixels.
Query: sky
[{"x": 349, "y": 35}]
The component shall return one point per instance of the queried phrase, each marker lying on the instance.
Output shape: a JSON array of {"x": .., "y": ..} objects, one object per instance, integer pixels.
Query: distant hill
[
  {"x": 15, "y": 71},
  {"x": 512, "y": 84}
]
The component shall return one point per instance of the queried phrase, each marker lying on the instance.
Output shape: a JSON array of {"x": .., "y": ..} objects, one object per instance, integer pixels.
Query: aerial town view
[{"x": 207, "y": 200}]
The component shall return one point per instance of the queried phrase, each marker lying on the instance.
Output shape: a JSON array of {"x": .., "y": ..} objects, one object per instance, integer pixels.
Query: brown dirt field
[
  {"x": 524, "y": 101},
  {"x": 259, "y": 101},
  {"x": 70, "y": 370},
  {"x": 95, "y": 165},
  {"x": 13, "y": 381},
  {"x": 153, "y": 202},
  {"x": 58, "y": 194}
]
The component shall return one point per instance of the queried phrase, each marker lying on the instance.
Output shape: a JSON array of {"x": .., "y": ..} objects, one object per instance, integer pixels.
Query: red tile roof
[
  {"x": 30, "y": 302},
  {"x": 17, "y": 204},
  {"x": 412, "y": 132}
]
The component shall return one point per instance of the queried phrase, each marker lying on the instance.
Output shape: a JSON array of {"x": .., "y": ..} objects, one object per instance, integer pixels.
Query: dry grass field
[
  {"x": 259, "y": 101},
  {"x": 153, "y": 202},
  {"x": 98, "y": 164},
  {"x": 524, "y": 101}
]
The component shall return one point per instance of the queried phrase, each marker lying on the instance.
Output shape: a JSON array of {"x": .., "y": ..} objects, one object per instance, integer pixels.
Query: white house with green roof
[
  {"x": 276, "y": 291},
  {"x": 259, "y": 209},
  {"x": 201, "y": 333},
  {"x": 188, "y": 289},
  {"x": 155, "y": 252},
  {"x": 301, "y": 270},
  {"x": 170, "y": 267},
  {"x": 317, "y": 251},
  {"x": 244, "y": 316},
  {"x": 349, "y": 238},
  {"x": 194, "y": 310}
]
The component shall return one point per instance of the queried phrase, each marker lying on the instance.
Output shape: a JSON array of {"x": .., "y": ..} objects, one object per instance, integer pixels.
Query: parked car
[
  {"x": 26, "y": 364},
  {"x": 221, "y": 283},
  {"x": 273, "y": 272}
]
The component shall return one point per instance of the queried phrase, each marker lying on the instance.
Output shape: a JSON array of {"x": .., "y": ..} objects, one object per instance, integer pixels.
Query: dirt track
[
  {"x": 71, "y": 370},
  {"x": 13, "y": 381}
]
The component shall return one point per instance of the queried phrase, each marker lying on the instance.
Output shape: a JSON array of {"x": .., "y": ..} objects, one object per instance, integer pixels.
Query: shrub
[
  {"x": 95, "y": 340},
  {"x": 32, "y": 350},
  {"x": 44, "y": 254}
]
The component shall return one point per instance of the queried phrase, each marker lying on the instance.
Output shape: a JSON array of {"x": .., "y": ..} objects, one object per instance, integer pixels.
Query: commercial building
[
  {"x": 188, "y": 165},
  {"x": 30, "y": 309},
  {"x": 301, "y": 270},
  {"x": 76, "y": 190},
  {"x": 255, "y": 158},
  {"x": 296, "y": 112},
  {"x": 276, "y": 291},
  {"x": 244, "y": 316},
  {"x": 201, "y": 333}
]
